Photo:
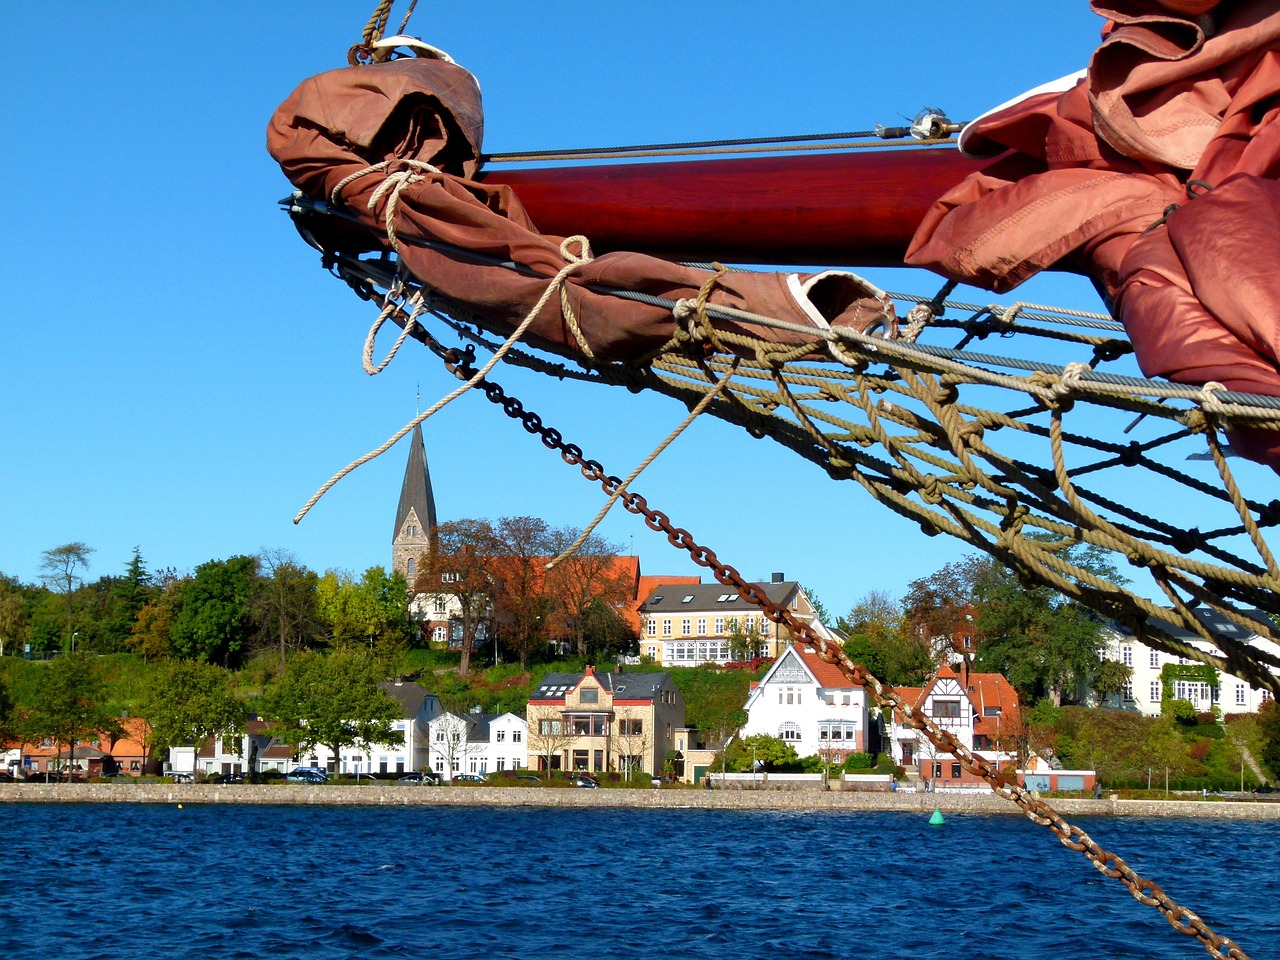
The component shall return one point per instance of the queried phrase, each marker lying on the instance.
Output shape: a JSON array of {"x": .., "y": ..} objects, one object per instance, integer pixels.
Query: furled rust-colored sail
[{"x": 856, "y": 208}]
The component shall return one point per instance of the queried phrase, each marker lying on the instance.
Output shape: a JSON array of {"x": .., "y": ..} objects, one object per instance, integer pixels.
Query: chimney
[
  {"x": 777, "y": 578},
  {"x": 964, "y": 673}
]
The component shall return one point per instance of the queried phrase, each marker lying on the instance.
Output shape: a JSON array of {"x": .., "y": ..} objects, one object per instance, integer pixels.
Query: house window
[
  {"x": 516, "y": 736},
  {"x": 651, "y": 627},
  {"x": 789, "y": 731},
  {"x": 1155, "y": 691},
  {"x": 937, "y": 769},
  {"x": 440, "y": 605},
  {"x": 968, "y": 643},
  {"x": 1240, "y": 694},
  {"x": 764, "y": 627},
  {"x": 666, "y": 627},
  {"x": 653, "y": 653},
  {"x": 502, "y": 736},
  {"x": 991, "y": 711},
  {"x": 1155, "y": 659},
  {"x": 686, "y": 627},
  {"x": 955, "y": 770},
  {"x": 947, "y": 709},
  {"x": 580, "y": 759},
  {"x": 449, "y": 578},
  {"x": 1127, "y": 691},
  {"x": 599, "y": 760},
  {"x": 409, "y": 567},
  {"x": 702, "y": 626},
  {"x": 502, "y": 763},
  {"x": 1126, "y": 654},
  {"x": 589, "y": 695},
  {"x": 719, "y": 627}
]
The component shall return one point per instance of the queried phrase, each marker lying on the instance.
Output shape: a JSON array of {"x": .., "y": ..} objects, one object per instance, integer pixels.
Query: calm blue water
[{"x": 154, "y": 881}]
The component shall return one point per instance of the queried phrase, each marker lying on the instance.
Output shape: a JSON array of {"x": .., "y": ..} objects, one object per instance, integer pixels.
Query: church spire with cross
[{"x": 416, "y": 512}]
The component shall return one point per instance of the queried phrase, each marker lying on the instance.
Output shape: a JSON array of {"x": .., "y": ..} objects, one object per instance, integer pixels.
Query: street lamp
[{"x": 74, "y": 634}]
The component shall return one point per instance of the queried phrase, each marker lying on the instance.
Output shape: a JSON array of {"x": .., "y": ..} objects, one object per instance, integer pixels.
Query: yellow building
[
  {"x": 604, "y": 722},
  {"x": 683, "y": 625}
]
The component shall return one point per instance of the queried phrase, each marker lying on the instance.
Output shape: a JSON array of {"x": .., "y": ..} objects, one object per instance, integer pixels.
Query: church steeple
[{"x": 416, "y": 512}]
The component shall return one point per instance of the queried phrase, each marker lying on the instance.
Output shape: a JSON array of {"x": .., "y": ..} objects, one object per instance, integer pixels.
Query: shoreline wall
[{"x": 569, "y": 798}]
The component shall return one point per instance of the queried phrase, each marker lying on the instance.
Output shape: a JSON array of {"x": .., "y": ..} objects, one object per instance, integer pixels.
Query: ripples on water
[{"x": 156, "y": 881}]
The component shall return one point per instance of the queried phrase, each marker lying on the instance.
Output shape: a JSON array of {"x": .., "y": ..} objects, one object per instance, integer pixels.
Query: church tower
[{"x": 416, "y": 513}]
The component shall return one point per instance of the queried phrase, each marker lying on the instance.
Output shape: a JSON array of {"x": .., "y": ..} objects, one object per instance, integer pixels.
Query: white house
[
  {"x": 258, "y": 751},
  {"x": 411, "y": 752},
  {"x": 810, "y": 704},
  {"x": 476, "y": 742},
  {"x": 981, "y": 709},
  {"x": 1145, "y": 690}
]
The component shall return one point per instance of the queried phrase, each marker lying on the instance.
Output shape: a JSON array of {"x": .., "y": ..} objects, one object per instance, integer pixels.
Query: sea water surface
[{"x": 157, "y": 881}]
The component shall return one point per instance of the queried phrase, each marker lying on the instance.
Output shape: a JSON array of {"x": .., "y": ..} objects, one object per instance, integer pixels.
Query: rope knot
[{"x": 930, "y": 489}]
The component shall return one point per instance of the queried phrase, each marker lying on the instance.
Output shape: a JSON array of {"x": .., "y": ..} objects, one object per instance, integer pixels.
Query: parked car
[
  {"x": 424, "y": 779},
  {"x": 6, "y": 777},
  {"x": 659, "y": 780},
  {"x": 1265, "y": 788},
  {"x": 529, "y": 778},
  {"x": 470, "y": 778},
  {"x": 225, "y": 778},
  {"x": 307, "y": 775},
  {"x": 184, "y": 778},
  {"x": 582, "y": 780}
]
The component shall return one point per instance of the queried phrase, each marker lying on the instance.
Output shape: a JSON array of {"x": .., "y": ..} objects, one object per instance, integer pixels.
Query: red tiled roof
[{"x": 827, "y": 674}]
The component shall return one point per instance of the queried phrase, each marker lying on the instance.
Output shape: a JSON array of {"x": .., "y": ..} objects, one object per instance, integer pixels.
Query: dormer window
[{"x": 687, "y": 599}]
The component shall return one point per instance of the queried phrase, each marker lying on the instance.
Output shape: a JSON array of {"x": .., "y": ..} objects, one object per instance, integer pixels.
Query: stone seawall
[{"x": 789, "y": 800}]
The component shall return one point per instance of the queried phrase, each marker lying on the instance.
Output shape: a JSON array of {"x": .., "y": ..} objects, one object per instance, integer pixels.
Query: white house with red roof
[
  {"x": 981, "y": 709},
  {"x": 811, "y": 705}
]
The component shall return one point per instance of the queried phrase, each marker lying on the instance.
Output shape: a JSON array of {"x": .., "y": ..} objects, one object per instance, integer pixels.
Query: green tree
[
  {"x": 190, "y": 701},
  {"x": 13, "y": 614},
  {"x": 771, "y": 753},
  {"x": 152, "y": 634},
  {"x": 1111, "y": 678},
  {"x": 68, "y": 705},
  {"x": 880, "y": 638},
  {"x": 1045, "y": 644},
  {"x": 285, "y": 601},
  {"x": 62, "y": 569},
  {"x": 1269, "y": 728},
  {"x": 213, "y": 623},
  {"x": 372, "y": 611},
  {"x": 332, "y": 700},
  {"x": 121, "y": 602}
]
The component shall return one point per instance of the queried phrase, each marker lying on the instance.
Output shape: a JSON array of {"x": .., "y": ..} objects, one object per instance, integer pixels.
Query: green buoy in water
[{"x": 936, "y": 820}]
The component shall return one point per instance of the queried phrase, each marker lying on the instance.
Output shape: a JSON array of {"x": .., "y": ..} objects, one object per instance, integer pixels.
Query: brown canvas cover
[
  {"x": 1156, "y": 174},
  {"x": 420, "y": 109}
]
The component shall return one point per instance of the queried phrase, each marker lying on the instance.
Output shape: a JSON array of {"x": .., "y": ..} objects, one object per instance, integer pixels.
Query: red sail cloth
[
  {"x": 341, "y": 122},
  {"x": 1157, "y": 175}
]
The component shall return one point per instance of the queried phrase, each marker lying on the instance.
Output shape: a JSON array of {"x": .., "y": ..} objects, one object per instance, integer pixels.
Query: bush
[
  {"x": 856, "y": 762},
  {"x": 1182, "y": 711}
]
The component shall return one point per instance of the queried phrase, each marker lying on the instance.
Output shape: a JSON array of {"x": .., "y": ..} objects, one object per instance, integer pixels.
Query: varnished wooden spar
[{"x": 839, "y": 209}]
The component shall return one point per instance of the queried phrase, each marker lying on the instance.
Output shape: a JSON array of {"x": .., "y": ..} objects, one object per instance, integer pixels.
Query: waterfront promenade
[{"x": 782, "y": 800}]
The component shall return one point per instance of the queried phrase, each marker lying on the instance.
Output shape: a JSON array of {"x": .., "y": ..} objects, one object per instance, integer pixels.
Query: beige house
[
  {"x": 604, "y": 722},
  {"x": 684, "y": 625}
]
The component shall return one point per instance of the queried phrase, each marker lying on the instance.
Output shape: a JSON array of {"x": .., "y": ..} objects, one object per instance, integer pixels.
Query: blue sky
[{"x": 180, "y": 374}]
